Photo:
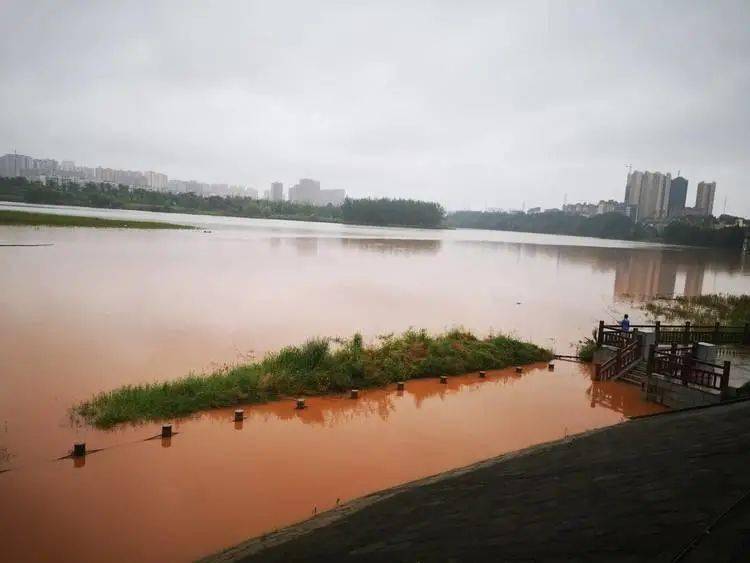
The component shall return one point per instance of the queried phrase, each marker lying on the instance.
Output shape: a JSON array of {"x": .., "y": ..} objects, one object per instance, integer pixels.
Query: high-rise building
[
  {"x": 15, "y": 164},
  {"x": 704, "y": 199},
  {"x": 653, "y": 200},
  {"x": 155, "y": 180},
  {"x": 633, "y": 188},
  {"x": 308, "y": 191},
  {"x": 276, "y": 193},
  {"x": 677, "y": 196}
]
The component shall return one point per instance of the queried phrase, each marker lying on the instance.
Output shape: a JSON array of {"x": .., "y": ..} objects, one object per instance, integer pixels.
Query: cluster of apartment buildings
[
  {"x": 50, "y": 170},
  {"x": 652, "y": 196},
  {"x": 656, "y": 196},
  {"x": 47, "y": 170},
  {"x": 307, "y": 191}
]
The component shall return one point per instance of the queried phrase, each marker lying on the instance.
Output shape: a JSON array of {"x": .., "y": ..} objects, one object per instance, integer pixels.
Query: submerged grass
[
  {"x": 319, "y": 366},
  {"x": 11, "y": 217},
  {"x": 703, "y": 309}
]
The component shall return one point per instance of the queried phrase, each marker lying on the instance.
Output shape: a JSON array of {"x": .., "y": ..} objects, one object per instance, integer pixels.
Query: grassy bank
[
  {"x": 702, "y": 309},
  {"x": 10, "y": 217},
  {"x": 314, "y": 368}
]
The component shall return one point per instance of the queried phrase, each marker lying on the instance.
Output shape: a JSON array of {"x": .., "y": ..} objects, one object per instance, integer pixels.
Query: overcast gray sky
[{"x": 468, "y": 103}]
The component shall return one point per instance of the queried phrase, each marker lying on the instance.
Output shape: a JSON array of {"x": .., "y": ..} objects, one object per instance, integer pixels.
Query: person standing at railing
[{"x": 625, "y": 324}]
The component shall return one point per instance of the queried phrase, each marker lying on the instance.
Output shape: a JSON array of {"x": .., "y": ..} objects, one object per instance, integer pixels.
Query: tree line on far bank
[
  {"x": 690, "y": 231},
  {"x": 386, "y": 212}
]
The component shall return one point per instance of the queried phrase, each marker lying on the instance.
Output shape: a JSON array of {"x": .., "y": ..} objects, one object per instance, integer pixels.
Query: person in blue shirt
[{"x": 625, "y": 324}]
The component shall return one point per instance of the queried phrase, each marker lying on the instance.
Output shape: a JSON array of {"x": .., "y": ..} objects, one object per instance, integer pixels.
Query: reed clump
[{"x": 319, "y": 366}]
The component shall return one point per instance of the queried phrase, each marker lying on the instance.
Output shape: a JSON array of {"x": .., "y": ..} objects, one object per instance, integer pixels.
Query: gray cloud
[{"x": 469, "y": 103}]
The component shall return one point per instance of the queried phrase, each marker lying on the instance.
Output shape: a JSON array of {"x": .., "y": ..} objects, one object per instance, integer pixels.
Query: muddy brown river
[{"x": 99, "y": 308}]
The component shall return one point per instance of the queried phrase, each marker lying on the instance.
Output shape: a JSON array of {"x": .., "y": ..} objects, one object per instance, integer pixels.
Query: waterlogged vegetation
[
  {"x": 21, "y": 218},
  {"x": 317, "y": 367},
  {"x": 586, "y": 349},
  {"x": 702, "y": 309}
]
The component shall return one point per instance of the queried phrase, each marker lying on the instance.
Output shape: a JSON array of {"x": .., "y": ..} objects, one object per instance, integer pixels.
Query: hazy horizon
[{"x": 473, "y": 105}]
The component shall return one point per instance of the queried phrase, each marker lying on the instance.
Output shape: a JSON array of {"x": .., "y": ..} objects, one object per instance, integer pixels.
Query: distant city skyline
[
  {"x": 648, "y": 195},
  {"x": 50, "y": 169}
]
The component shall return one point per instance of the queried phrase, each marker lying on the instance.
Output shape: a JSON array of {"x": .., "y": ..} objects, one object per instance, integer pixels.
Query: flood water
[{"x": 99, "y": 308}]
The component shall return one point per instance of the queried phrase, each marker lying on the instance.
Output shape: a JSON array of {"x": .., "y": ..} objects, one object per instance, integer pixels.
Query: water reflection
[
  {"x": 393, "y": 246},
  {"x": 333, "y": 411},
  {"x": 618, "y": 397},
  {"x": 310, "y": 246},
  {"x": 639, "y": 273}
]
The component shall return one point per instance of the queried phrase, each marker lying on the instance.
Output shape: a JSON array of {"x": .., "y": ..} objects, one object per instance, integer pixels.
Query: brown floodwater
[{"x": 102, "y": 308}]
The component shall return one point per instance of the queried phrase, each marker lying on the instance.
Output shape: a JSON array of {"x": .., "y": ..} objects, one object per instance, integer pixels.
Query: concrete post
[
  {"x": 686, "y": 335},
  {"x": 600, "y": 334},
  {"x": 657, "y": 332}
]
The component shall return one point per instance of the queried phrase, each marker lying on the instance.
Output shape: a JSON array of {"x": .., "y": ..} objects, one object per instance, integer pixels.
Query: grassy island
[
  {"x": 317, "y": 367},
  {"x": 25, "y": 218}
]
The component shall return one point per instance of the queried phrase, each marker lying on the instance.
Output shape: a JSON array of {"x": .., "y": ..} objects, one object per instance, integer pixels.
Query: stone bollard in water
[
  {"x": 300, "y": 404},
  {"x": 482, "y": 374},
  {"x": 79, "y": 449},
  {"x": 400, "y": 386},
  {"x": 354, "y": 394},
  {"x": 551, "y": 366},
  {"x": 519, "y": 369},
  {"x": 166, "y": 431},
  {"x": 443, "y": 379},
  {"x": 239, "y": 415}
]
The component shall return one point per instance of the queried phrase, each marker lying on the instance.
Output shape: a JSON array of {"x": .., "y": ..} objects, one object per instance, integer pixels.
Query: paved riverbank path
[{"x": 640, "y": 491}]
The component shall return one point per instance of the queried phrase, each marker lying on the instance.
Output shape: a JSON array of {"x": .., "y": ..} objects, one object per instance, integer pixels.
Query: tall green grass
[{"x": 319, "y": 366}]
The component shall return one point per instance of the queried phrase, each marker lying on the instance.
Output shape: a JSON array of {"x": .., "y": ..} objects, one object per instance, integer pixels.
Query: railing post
[
  {"x": 618, "y": 361},
  {"x": 687, "y": 367},
  {"x": 657, "y": 332},
  {"x": 686, "y": 335},
  {"x": 746, "y": 334},
  {"x": 637, "y": 338},
  {"x": 725, "y": 380},
  {"x": 600, "y": 334},
  {"x": 717, "y": 328},
  {"x": 597, "y": 372},
  {"x": 650, "y": 362}
]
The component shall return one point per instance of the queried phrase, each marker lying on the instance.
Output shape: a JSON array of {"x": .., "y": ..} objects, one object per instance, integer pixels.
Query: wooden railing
[
  {"x": 680, "y": 364},
  {"x": 684, "y": 334},
  {"x": 624, "y": 359}
]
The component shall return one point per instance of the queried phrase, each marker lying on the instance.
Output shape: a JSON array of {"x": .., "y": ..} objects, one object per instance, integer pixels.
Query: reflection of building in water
[
  {"x": 694, "y": 280},
  {"x": 306, "y": 246},
  {"x": 646, "y": 274},
  {"x": 394, "y": 246}
]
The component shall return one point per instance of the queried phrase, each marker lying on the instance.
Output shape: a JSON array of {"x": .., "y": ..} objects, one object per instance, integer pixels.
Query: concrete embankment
[{"x": 649, "y": 489}]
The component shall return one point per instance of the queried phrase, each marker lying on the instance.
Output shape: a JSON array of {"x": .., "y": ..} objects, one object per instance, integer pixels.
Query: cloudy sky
[{"x": 472, "y": 104}]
